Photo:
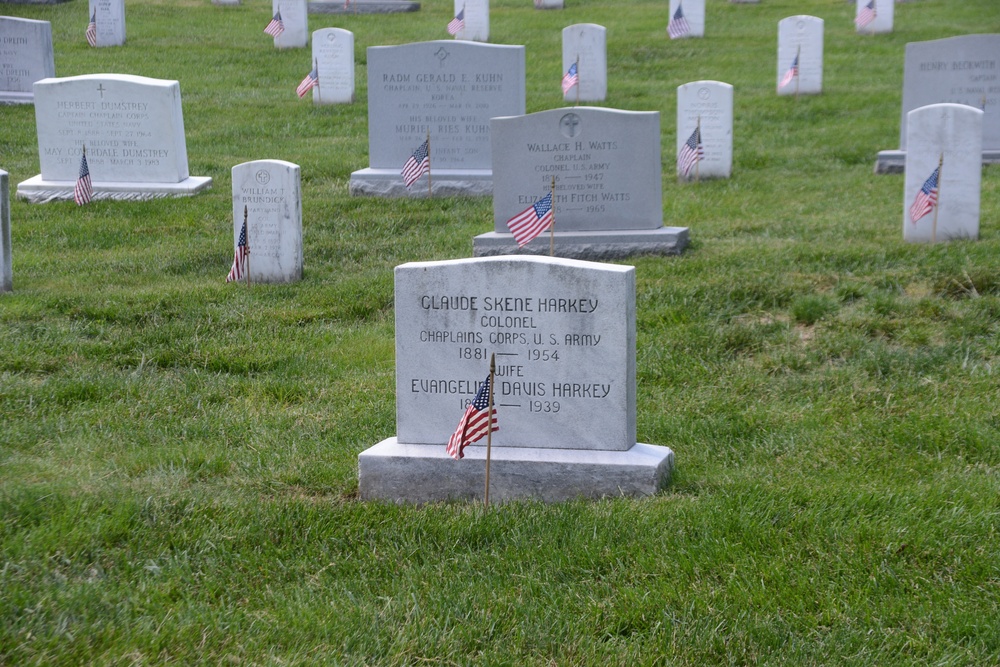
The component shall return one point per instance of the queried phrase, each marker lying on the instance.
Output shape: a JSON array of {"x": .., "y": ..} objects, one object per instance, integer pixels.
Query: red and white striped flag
[
  {"x": 308, "y": 83},
  {"x": 418, "y": 164},
  {"x": 678, "y": 26},
  {"x": 792, "y": 72},
  {"x": 479, "y": 419},
  {"x": 532, "y": 221},
  {"x": 240, "y": 257},
  {"x": 865, "y": 16},
  {"x": 571, "y": 78},
  {"x": 691, "y": 152},
  {"x": 926, "y": 199},
  {"x": 92, "y": 29},
  {"x": 457, "y": 24},
  {"x": 83, "y": 192},
  {"x": 276, "y": 26}
]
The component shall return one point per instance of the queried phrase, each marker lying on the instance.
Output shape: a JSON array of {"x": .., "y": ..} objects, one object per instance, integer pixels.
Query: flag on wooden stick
[
  {"x": 678, "y": 26},
  {"x": 926, "y": 199},
  {"x": 92, "y": 29},
  {"x": 240, "y": 256},
  {"x": 83, "y": 192},
  {"x": 418, "y": 164},
  {"x": 308, "y": 83},
  {"x": 792, "y": 72},
  {"x": 457, "y": 24},
  {"x": 276, "y": 26},
  {"x": 532, "y": 221},
  {"x": 865, "y": 16},
  {"x": 691, "y": 152},
  {"x": 571, "y": 78},
  {"x": 479, "y": 419}
]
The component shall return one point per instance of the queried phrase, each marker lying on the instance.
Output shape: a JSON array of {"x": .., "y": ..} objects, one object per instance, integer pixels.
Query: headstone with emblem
[
  {"x": 800, "y": 45},
  {"x": 874, "y": 19},
  {"x": 476, "y": 16},
  {"x": 295, "y": 17},
  {"x": 693, "y": 12},
  {"x": 108, "y": 17},
  {"x": 707, "y": 106},
  {"x": 132, "y": 128},
  {"x": 586, "y": 46},
  {"x": 333, "y": 54},
  {"x": 271, "y": 192},
  {"x": 25, "y": 57}
]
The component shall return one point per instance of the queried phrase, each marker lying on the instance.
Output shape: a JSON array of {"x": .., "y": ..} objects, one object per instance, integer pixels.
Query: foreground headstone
[
  {"x": 109, "y": 19},
  {"x": 25, "y": 57},
  {"x": 477, "y": 20},
  {"x": 6, "y": 275},
  {"x": 949, "y": 135},
  {"x": 882, "y": 21},
  {"x": 271, "y": 191},
  {"x": 800, "y": 42},
  {"x": 961, "y": 70},
  {"x": 563, "y": 332},
  {"x": 333, "y": 53},
  {"x": 132, "y": 127},
  {"x": 295, "y": 16},
  {"x": 608, "y": 183},
  {"x": 450, "y": 89},
  {"x": 586, "y": 44},
  {"x": 693, "y": 12},
  {"x": 707, "y": 105}
]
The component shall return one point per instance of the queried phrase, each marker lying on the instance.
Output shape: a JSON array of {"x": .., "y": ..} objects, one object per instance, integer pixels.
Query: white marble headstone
[
  {"x": 333, "y": 52},
  {"x": 548, "y": 4},
  {"x": 694, "y": 13},
  {"x": 271, "y": 190},
  {"x": 883, "y": 16},
  {"x": 953, "y": 135},
  {"x": 109, "y": 18},
  {"x": 295, "y": 16},
  {"x": 133, "y": 130},
  {"x": 802, "y": 35},
  {"x": 477, "y": 20},
  {"x": 710, "y": 105},
  {"x": 25, "y": 57},
  {"x": 587, "y": 45},
  {"x": 6, "y": 279},
  {"x": 564, "y": 335}
]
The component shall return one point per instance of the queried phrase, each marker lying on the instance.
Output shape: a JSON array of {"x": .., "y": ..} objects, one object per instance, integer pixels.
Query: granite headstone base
[
  {"x": 14, "y": 97},
  {"x": 38, "y": 191},
  {"x": 363, "y": 7},
  {"x": 444, "y": 183},
  {"x": 407, "y": 473},
  {"x": 894, "y": 162},
  {"x": 594, "y": 246}
]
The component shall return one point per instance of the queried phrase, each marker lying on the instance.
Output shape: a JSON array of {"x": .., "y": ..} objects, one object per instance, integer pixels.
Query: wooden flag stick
[
  {"x": 577, "y": 80},
  {"x": 798, "y": 69},
  {"x": 697, "y": 163},
  {"x": 489, "y": 429},
  {"x": 937, "y": 200},
  {"x": 552, "y": 225},
  {"x": 429, "y": 192},
  {"x": 247, "y": 255}
]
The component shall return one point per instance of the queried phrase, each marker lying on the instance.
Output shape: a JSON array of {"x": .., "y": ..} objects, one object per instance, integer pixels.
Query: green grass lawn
[{"x": 178, "y": 456}]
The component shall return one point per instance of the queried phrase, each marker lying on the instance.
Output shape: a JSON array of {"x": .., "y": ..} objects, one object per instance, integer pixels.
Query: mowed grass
[{"x": 178, "y": 456}]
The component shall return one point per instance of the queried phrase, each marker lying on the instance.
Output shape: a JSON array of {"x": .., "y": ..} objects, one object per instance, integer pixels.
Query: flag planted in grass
[
  {"x": 571, "y": 78},
  {"x": 457, "y": 24},
  {"x": 276, "y": 26},
  {"x": 479, "y": 419},
  {"x": 678, "y": 25},
  {"x": 926, "y": 199},
  {"x": 418, "y": 164},
  {"x": 92, "y": 29},
  {"x": 308, "y": 83},
  {"x": 532, "y": 221},
  {"x": 239, "y": 267},
  {"x": 866, "y": 15},
  {"x": 691, "y": 152},
  {"x": 792, "y": 72},
  {"x": 83, "y": 192}
]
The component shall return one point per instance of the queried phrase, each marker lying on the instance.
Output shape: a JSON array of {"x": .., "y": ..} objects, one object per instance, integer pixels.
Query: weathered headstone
[
  {"x": 949, "y": 135},
  {"x": 295, "y": 16},
  {"x": 6, "y": 274},
  {"x": 133, "y": 130},
  {"x": 271, "y": 191},
  {"x": 882, "y": 21},
  {"x": 109, "y": 19},
  {"x": 608, "y": 183},
  {"x": 960, "y": 70},
  {"x": 694, "y": 14},
  {"x": 563, "y": 332},
  {"x": 548, "y": 4},
  {"x": 333, "y": 53},
  {"x": 450, "y": 89},
  {"x": 477, "y": 20},
  {"x": 800, "y": 43},
  {"x": 586, "y": 44},
  {"x": 708, "y": 105},
  {"x": 25, "y": 57}
]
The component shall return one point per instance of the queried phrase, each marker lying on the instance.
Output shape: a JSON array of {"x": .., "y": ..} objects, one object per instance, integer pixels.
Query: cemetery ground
[{"x": 178, "y": 456}]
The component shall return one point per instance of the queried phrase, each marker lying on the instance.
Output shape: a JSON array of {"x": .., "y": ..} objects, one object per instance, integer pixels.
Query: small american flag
[
  {"x": 678, "y": 26},
  {"x": 571, "y": 78},
  {"x": 457, "y": 24},
  {"x": 92, "y": 29},
  {"x": 866, "y": 15},
  {"x": 308, "y": 83},
  {"x": 418, "y": 164},
  {"x": 276, "y": 26},
  {"x": 479, "y": 419},
  {"x": 240, "y": 257},
  {"x": 84, "y": 191},
  {"x": 691, "y": 152},
  {"x": 532, "y": 221},
  {"x": 926, "y": 199},
  {"x": 792, "y": 72}
]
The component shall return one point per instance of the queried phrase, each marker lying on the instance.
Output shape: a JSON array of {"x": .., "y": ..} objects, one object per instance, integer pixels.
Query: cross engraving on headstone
[
  {"x": 100, "y": 88},
  {"x": 569, "y": 125}
]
